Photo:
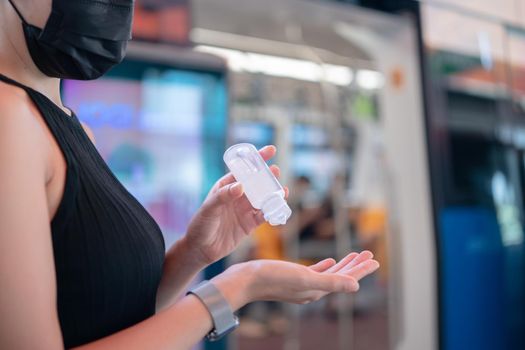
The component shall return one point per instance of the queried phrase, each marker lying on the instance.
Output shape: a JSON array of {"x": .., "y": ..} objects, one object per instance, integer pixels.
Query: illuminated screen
[{"x": 161, "y": 131}]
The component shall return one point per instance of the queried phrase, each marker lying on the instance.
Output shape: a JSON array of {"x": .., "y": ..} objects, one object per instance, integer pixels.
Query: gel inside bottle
[{"x": 261, "y": 187}]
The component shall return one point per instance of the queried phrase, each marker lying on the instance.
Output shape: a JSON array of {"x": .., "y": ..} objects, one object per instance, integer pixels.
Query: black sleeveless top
[{"x": 108, "y": 251}]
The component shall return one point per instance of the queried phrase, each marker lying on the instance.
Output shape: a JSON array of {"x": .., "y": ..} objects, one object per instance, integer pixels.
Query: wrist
[
  {"x": 235, "y": 284},
  {"x": 190, "y": 253}
]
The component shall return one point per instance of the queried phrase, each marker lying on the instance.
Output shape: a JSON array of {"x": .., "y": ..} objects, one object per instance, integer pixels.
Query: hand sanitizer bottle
[{"x": 260, "y": 185}]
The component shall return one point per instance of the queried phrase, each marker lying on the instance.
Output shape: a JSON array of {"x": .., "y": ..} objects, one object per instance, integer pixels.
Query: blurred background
[{"x": 400, "y": 128}]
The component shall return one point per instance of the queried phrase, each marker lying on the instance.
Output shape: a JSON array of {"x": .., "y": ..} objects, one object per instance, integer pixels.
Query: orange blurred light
[{"x": 167, "y": 23}]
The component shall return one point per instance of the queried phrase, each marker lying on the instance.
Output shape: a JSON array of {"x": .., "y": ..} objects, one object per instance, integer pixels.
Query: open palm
[
  {"x": 276, "y": 280},
  {"x": 225, "y": 218}
]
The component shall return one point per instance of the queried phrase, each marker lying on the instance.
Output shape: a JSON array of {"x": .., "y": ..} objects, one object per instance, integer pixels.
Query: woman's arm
[
  {"x": 28, "y": 315},
  {"x": 185, "y": 323},
  {"x": 180, "y": 268},
  {"x": 178, "y": 327}
]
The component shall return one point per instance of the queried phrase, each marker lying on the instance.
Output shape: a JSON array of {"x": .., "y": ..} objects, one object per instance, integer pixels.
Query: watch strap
[{"x": 224, "y": 321}]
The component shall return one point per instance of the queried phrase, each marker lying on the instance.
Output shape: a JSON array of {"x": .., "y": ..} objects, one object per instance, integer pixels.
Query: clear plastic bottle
[{"x": 261, "y": 187}]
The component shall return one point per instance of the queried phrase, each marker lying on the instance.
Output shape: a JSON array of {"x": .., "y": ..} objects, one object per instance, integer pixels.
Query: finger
[
  {"x": 363, "y": 256},
  {"x": 333, "y": 283},
  {"x": 286, "y": 192},
  {"x": 245, "y": 210},
  {"x": 224, "y": 195},
  {"x": 226, "y": 180},
  {"x": 343, "y": 262},
  {"x": 275, "y": 170},
  {"x": 267, "y": 152},
  {"x": 363, "y": 269},
  {"x": 323, "y": 265}
]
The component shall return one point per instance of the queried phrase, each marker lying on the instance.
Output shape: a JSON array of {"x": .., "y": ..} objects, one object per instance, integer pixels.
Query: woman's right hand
[{"x": 284, "y": 281}]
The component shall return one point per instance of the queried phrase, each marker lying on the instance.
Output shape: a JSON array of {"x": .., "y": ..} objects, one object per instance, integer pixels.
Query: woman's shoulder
[
  {"x": 17, "y": 112},
  {"x": 21, "y": 128},
  {"x": 12, "y": 100}
]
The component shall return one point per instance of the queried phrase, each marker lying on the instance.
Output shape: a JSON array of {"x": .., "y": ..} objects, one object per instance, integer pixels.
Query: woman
[{"x": 82, "y": 264}]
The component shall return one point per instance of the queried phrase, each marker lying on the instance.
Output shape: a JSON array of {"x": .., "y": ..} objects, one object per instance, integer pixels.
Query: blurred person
[
  {"x": 325, "y": 226},
  {"x": 82, "y": 263},
  {"x": 319, "y": 221},
  {"x": 302, "y": 189},
  {"x": 306, "y": 206}
]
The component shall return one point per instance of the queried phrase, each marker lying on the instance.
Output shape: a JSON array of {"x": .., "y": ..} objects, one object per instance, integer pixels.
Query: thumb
[
  {"x": 333, "y": 283},
  {"x": 224, "y": 195}
]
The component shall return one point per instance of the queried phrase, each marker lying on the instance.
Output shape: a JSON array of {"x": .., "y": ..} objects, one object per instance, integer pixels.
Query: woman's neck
[{"x": 15, "y": 60}]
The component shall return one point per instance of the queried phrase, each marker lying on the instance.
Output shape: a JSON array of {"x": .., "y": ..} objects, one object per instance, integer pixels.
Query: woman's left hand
[{"x": 225, "y": 218}]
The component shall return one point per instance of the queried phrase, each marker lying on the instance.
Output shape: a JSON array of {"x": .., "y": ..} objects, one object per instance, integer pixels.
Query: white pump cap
[{"x": 275, "y": 209}]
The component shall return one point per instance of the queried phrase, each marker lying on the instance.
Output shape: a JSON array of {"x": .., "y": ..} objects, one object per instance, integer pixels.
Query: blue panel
[{"x": 472, "y": 279}]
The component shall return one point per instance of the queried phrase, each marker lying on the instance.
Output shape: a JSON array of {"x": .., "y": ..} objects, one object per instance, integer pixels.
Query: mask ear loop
[{"x": 17, "y": 12}]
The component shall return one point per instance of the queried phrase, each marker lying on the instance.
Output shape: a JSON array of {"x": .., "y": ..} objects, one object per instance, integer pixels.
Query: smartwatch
[{"x": 224, "y": 320}]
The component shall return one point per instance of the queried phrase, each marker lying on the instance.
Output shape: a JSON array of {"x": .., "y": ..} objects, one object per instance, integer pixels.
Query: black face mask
[{"x": 82, "y": 39}]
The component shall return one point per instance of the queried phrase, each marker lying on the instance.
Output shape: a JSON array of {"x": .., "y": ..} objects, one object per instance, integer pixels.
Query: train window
[{"x": 473, "y": 162}]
